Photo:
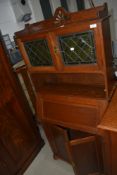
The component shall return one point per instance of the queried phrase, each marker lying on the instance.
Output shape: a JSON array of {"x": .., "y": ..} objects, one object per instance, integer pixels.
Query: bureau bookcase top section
[{"x": 70, "y": 43}]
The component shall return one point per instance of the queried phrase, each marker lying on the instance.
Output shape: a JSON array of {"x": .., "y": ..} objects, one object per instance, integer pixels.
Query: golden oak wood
[{"x": 71, "y": 99}]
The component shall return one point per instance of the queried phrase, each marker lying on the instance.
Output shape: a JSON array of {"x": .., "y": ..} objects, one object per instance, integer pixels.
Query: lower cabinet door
[
  {"x": 79, "y": 149},
  {"x": 61, "y": 143},
  {"x": 84, "y": 155}
]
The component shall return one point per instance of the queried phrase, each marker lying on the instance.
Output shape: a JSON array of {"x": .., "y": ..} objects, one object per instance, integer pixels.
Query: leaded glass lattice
[
  {"x": 38, "y": 52},
  {"x": 78, "y": 48}
]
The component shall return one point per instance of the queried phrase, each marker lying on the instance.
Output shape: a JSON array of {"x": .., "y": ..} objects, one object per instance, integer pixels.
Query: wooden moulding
[{"x": 61, "y": 17}]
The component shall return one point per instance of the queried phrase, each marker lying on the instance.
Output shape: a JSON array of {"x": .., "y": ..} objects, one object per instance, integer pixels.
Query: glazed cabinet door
[
  {"x": 38, "y": 53},
  {"x": 78, "y": 47}
]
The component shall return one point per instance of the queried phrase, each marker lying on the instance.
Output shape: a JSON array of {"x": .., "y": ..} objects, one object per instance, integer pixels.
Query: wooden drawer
[
  {"x": 75, "y": 115},
  {"x": 78, "y": 148}
]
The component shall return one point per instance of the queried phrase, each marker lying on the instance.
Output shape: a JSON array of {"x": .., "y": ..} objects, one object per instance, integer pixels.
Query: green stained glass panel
[
  {"x": 38, "y": 52},
  {"x": 78, "y": 48}
]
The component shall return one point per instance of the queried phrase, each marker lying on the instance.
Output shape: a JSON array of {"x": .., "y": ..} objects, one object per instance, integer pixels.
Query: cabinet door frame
[
  {"x": 49, "y": 38},
  {"x": 82, "y": 27}
]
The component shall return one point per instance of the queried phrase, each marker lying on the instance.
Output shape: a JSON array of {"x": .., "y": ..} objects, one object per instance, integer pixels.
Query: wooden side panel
[
  {"x": 16, "y": 135},
  {"x": 20, "y": 139},
  {"x": 6, "y": 91},
  {"x": 113, "y": 156},
  {"x": 3, "y": 168},
  {"x": 109, "y": 71},
  {"x": 6, "y": 162},
  {"x": 49, "y": 135}
]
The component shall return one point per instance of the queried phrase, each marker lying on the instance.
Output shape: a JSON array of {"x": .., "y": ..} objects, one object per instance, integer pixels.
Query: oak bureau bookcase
[{"x": 69, "y": 59}]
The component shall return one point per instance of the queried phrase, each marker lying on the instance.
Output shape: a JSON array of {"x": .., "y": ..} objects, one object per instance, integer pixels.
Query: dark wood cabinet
[
  {"x": 20, "y": 139},
  {"x": 6, "y": 162},
  {"x": 69, "y": 58}
]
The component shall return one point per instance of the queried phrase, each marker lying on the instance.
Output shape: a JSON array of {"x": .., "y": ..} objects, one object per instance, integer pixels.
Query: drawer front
[{"x": 72, "y": 114}]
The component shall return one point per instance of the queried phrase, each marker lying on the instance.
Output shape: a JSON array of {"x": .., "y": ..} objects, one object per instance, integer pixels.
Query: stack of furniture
[{"x": 69, "y": 59}]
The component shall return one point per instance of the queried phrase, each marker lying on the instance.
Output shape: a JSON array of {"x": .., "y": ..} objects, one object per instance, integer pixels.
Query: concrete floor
[{"x": 44, "y": 164}]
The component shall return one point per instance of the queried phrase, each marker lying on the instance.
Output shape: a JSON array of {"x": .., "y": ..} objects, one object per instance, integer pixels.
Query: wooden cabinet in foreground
[
  {"x": 20, "y": 139},
  {"x": 69, "y": 59}
]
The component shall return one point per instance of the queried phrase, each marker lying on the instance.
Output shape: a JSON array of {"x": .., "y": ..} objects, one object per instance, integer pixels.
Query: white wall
[
  {"x": 112, "y": 6},
  {"x": 72, "y": 5},
  {"x": 8, "y": 23},
  {"x": 99, "y": 2},
  {"x": 37, "y": 14},
  {"x": 54, "y": 4}
]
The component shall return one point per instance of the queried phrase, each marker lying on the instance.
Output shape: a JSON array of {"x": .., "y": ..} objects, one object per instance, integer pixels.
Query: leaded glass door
[
  {"x": 38, "y": 53},
  {"x": 78, "y": 48}
]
